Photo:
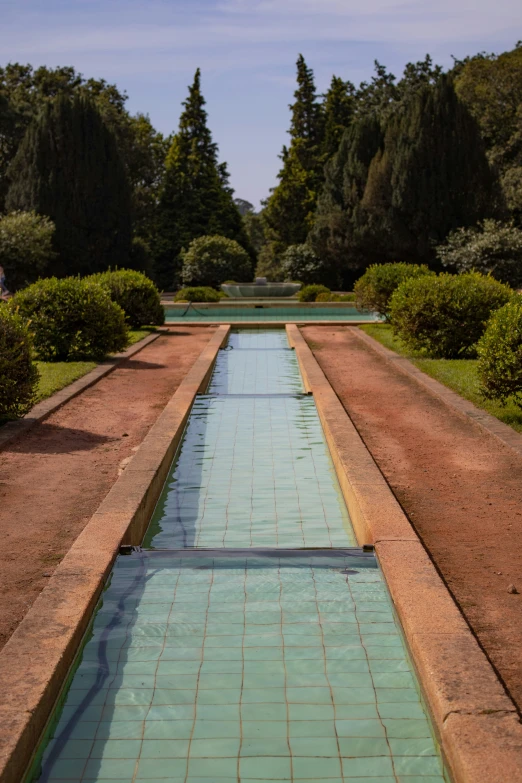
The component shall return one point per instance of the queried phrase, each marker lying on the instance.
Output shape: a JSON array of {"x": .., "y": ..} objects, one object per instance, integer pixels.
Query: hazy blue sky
[{"x": 247, "y": 51}]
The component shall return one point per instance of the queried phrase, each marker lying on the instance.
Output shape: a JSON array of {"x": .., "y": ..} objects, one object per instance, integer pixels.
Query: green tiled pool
[
  {"x": 288, "y": 314},
  {"x": 253, "y": 667},
  {"x": 230, "y": 651}
]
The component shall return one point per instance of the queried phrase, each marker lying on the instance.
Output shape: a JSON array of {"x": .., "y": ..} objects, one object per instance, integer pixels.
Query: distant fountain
[{"x": 261, "y": 288}]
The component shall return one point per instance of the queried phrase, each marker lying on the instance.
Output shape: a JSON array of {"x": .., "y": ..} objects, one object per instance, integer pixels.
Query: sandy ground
[
  {"x": 53, "y": 478},
  {"x": 460, "y": 487}
]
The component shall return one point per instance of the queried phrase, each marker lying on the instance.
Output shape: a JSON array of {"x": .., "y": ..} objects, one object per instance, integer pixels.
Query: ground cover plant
[
  {"x": 18, "y": 375},
  {"x": 500, "y": 354},
  {"x": 373, "y": 291},
  {"x": 444, "y": 316},
  {"x": 72, "y": 319},
  {"x": 135, "y": 293},
  {"x": 460, "y": 375}
]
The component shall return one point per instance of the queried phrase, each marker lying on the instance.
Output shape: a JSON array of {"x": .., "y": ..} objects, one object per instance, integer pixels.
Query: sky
[{"x": 246, "y": 50}]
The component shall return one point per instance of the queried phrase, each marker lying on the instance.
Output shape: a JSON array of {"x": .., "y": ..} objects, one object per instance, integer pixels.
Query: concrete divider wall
[
  {"x": 35, "y": 662},
  {"x": 477, "y": 723}
]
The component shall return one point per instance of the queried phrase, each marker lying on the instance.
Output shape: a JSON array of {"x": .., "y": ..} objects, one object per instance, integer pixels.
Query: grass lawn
[
  {"x": 56, "y": 375},
  {"x": 460, "y": 375}
]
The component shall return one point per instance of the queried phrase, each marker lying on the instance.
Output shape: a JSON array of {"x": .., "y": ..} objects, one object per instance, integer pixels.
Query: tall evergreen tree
[
  {"x": 68, "y": 167},
  {"x": 196, "y": 198},
  {"x": 290, "y": 208},
  {"x": 339, "y": 109},
  {"x": 393, "y": 192}
]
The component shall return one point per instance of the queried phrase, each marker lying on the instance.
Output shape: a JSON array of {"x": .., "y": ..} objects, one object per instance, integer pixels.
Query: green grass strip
[{"x": 460, "y": 375}]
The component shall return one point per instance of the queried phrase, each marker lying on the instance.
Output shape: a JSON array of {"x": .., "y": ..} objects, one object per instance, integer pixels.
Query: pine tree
[
  {"x": 68, "y": 167},
  {"x": 339, "y": 107},
  {"x": 290, "y": 208},
  {"x": 196, "y": 198}
]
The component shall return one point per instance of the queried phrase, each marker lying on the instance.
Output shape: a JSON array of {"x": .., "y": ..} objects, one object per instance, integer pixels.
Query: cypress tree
[
  {"x": 290, "y": 208},
  {"x": 339, "y": 107},
  {"x": 431, "y": 177},
  {"x": 68, "y": 167},
  {"x": 196, "y": 198}
]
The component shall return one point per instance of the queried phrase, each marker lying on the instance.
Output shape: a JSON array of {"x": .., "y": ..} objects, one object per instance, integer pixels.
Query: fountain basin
[{"x": 259, "y": 290}]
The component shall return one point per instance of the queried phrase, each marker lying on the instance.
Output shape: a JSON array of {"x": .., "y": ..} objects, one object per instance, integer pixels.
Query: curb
[
  {"x": 42, "y": 410},
  {"x": 476, "y": 722},
  {"x": 35, "y": 662},
  {"x": 502, "y": 432}
]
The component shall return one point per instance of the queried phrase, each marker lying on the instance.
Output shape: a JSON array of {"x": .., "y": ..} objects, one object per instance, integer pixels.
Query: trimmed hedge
[
  {"x": 374, "y": 290},
  {"x": 18, "y": 373},
  {"x": 445, "y": 316},
  {"x": 136, "y": 294},
  {"x": 210, "y": 260},
  {"x": 72, "y": 319},
  {"x": 310, "y": 292},
  {"x": 198, "y": 294},
  {"x": 500, "y": 354}
]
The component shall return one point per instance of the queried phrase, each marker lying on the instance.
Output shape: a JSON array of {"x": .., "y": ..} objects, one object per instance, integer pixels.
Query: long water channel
[{"x": 250, "y": 640}]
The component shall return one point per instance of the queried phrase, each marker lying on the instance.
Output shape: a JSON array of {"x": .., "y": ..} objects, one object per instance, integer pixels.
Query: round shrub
[
  {"x": 18, "y": 374},
  {"x": 444, "y": 316},
  {"x": 211, "y": 260},
  {"x": 500, "y": 354},
  {"x": 299, "y": 262},
  {"x": 327, "y": 297},
  {"x": 135, "y": 293},
  {"x": 197, "y": 294},
  {"x": 72, "y": 319},
  {"x": 310, "y": 292},
  {"x": 373, "y": 291}
]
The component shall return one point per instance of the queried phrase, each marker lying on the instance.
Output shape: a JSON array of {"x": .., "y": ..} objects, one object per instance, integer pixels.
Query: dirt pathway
[
  {"x": 53, "y": 478},
  {"x": 460, "y": 487}
]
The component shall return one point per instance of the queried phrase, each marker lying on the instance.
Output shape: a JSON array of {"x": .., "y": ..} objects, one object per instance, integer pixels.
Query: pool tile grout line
[{"x": 477, "y": 722}]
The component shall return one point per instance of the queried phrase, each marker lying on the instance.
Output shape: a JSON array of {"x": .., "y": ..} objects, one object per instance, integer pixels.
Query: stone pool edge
[
  {"x": 36, "y": 660},
  {"x": 477, "y": 723}
]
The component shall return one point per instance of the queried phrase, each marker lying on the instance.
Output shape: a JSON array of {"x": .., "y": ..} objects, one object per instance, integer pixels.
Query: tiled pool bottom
[
  {"x": 252, "y": 472},
  {"x": 205, "y": 667}
]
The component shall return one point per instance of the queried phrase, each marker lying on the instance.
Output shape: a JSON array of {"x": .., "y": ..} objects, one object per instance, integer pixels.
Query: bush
[
  {"x": 299, "y": 262},
  {"x": 310, "y": 292},
  {"x": 347, "y": 298},
  {"x": 26, "y": 247},
  {"x": 197, "y": 294},
  {"x": 211, "y": 260},
  {"x": 72, "y": 319},
  {"x": 493, "y": 248},
  {"x": 500, "y": 354},
  {"x": 135, "y": 293},
  {"x": 18, "y": 374},
  {"x": 444, "y": 316},
  {"x": 373, "y": 291}
]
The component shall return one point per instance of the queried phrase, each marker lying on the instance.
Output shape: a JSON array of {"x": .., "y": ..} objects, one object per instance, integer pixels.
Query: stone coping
[
  {"x": 261, "y": 302},
  {"x": 269, "y": 324},
  {"x": 42, "y": 410},
  {"x": 476, "y": 722},
  {"x": 35, "y": 662},
  {"x": 463, "y": 407}
]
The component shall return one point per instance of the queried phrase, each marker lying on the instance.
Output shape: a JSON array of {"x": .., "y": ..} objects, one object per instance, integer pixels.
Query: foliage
[
  {"x": 398, "y": 186},
  {"x": 255, "y": 230},
  {"x": 26, "y": 247},
  {"x": 210, "y": 260},
  {"x": 445, "y": 316},
  {"x": 324, "y": 297},
  {"x": 299, "y": 262},
  {"x": 197, "y": 294},
  {"x": 458, "y": 374},
  {"x": 244, "y": 207},
  {"x": 491, "y": 248},
  {"x": 196, "y": 199},
  {"x": 68, "y": 167},
  {"x": 72, "y": 319},
  {"x": 500, "y": 354},
  {"x": 310, "y": 292},
  {"x": 18, "y": 374},
  {"x": 374, "y": 289},
  {"x": 135, "y": 293}
]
